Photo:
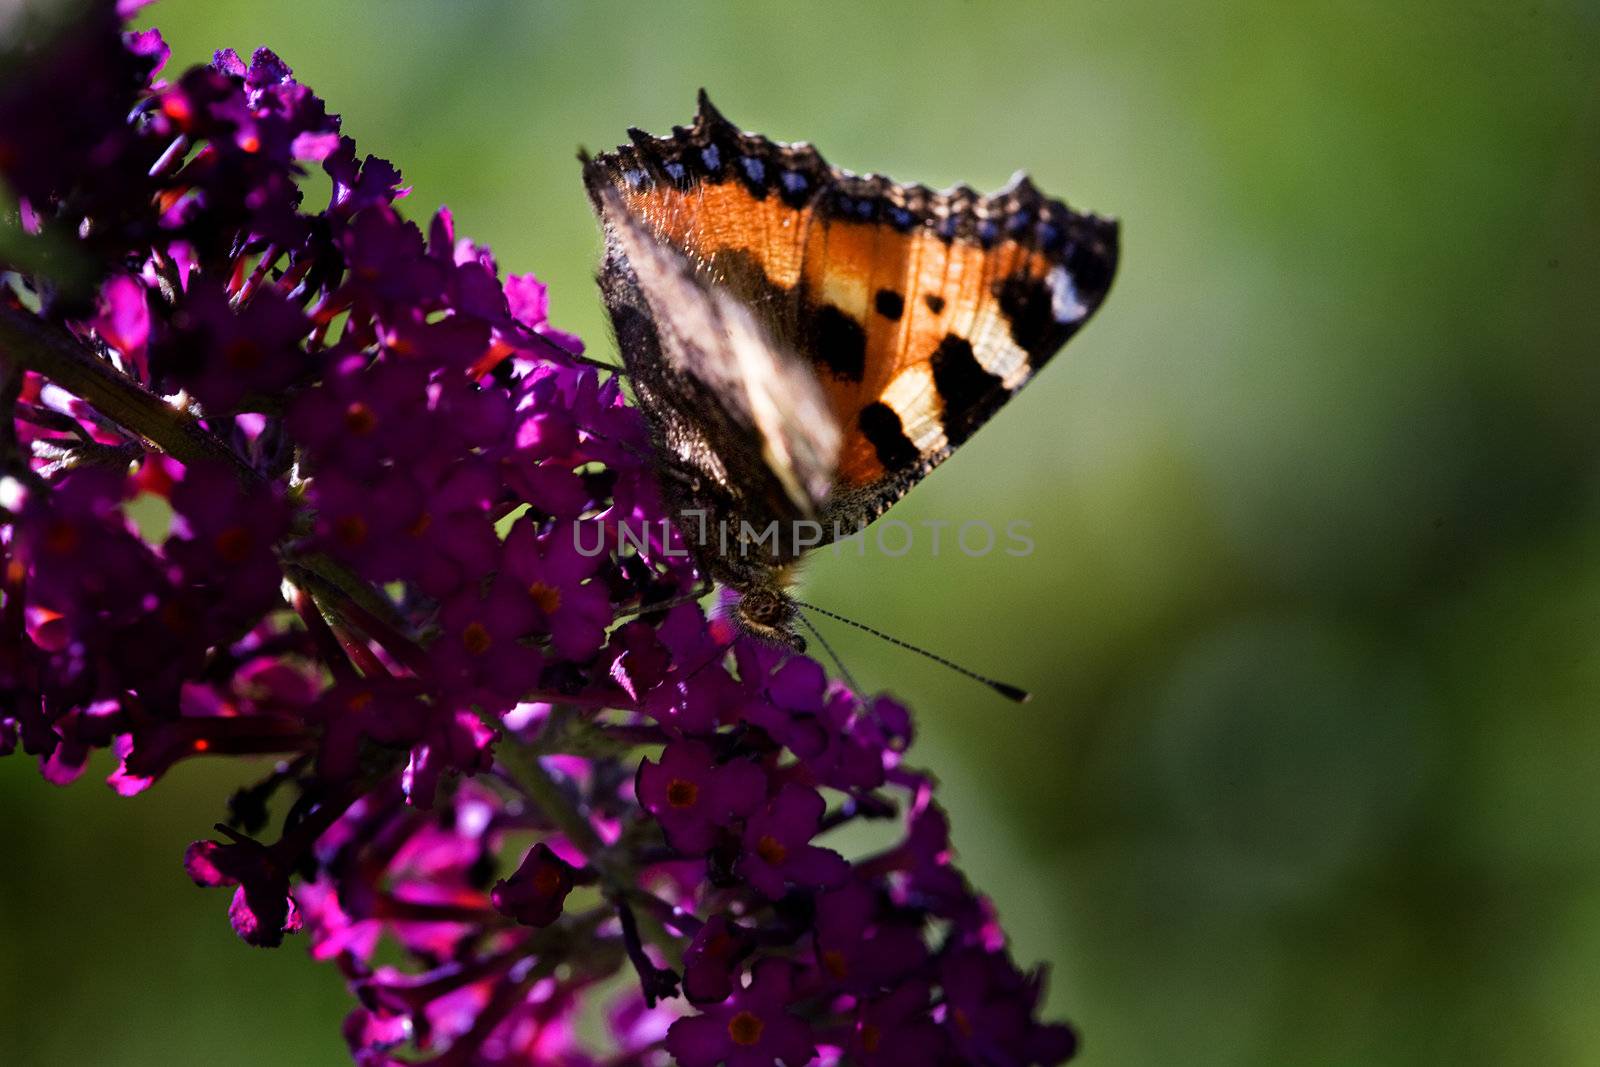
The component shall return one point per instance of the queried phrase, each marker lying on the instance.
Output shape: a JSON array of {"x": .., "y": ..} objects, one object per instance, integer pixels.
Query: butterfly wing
[
  {"x": 919, "y": 312},
  {"x": 735, "y": 204},
  {"x": 927, "y": 311},
  {"x": 739, "y": 419}
]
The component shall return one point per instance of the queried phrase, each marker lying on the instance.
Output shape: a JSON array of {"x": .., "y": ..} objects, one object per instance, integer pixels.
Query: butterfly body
[{"x": 807, "y": 344}]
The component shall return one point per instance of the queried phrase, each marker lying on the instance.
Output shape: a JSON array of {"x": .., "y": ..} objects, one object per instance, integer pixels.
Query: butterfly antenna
[
  {"x": 1010, "y": 692},
  {"x": 844, "y": 671}
]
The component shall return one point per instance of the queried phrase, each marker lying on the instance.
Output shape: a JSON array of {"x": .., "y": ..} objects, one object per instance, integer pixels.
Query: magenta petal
[
  {"x": 741, "y": 787},
  {"x": 124, "y": 320},
  {"x": 789, "y": 1040},
  {"x": 262, "y": 919},
  {"x": 798, "y": 685},
  {"x": 535, "y": 894},
  {"x": 314, "y": 147},
  {"x": 529, "y": 299},
  {"x": 712, "y": 958},
  {"x": 796, "y": 812},
  {"x": 698, "y": 1041},
  {"x": 765, "y": 878},
  {"x": 199, "y": 860},
  {"x": 821, "y": 868}
]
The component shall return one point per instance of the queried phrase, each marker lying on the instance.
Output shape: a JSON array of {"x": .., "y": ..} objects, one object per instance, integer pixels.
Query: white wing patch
[
  {"x": 1065, "y": 304},
  {"x": 914, "y": 398}
]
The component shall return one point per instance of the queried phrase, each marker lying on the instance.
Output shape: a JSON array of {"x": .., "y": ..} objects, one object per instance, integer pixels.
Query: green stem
[
  {"x": 523, "y": 764},
  {"x": 340, "y": 590},
  {"x": 29, "y": 342},
  {"x": 557, "y": 806},
  {"x": 652, "y": 930}
]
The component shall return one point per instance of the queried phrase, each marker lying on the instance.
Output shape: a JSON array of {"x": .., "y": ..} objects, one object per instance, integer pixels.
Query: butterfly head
[{"x": 766, "y": 613}]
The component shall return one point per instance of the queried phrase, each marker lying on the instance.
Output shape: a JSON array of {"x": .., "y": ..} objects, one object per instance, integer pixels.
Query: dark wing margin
[
  {"x": 713, "y": 150},
  {"x": 734, "y": 203}
]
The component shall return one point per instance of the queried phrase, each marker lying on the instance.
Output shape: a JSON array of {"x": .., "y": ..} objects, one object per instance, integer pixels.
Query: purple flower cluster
[{"x": 307, "y": 483}]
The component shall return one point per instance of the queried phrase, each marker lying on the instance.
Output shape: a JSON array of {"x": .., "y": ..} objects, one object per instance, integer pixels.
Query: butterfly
[{"x": 806, "y": 344}]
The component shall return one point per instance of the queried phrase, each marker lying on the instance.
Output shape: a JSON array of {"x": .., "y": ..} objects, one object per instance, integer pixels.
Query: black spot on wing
[
  {"x": 1026, "y": 304},
  {"x": 839, "y": 343},
  {"x": 881, "y": 427},
  {"x": 935, "y": 303},
  {"x": 890, "y": 304},
  {"x": 1091, "y": 267},
  {"x": 964, "y": 386}
]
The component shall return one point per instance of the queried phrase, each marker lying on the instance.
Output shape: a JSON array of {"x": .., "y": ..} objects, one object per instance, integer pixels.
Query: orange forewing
[
  {"x": 710, "y": 218},
  {"x": 847, "y": 263}
]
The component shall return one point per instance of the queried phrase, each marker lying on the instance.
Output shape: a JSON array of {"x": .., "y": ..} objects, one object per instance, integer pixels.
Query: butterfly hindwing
[{"x": 737, "y": 417}]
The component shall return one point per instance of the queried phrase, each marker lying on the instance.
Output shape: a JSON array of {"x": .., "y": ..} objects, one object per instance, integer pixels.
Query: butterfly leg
[
  {"x": 699, "y": 591},
  {"x": 615, "y": 368},
  {"x": 560, "y": 352}
]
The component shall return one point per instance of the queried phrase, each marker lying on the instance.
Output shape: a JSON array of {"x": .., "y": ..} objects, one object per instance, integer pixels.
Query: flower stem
[
  {"x": 524, "y": 766},
  {"x": 353, "y": 599},
  {"x": 558, "y": 807},
  {"x": 29, "y": 342},
  {"x": 651, "y": 927}
]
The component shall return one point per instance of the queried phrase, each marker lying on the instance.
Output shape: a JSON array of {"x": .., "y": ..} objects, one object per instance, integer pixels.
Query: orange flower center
[
  {"x": 548, "y": 597},
  {"x": 771, "y": 849},
  {"x": 420, "y": 526},
  {"x": 871, "y": 1036},
  {"x": 834, "y": 962},
  {"x": 476, "y": 638},
  {"x": 745, "y": 1028},
  {"x": 682, "y": 793}
]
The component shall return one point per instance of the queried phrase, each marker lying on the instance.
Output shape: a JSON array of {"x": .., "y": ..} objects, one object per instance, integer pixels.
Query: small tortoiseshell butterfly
[{"x": 807, "y": 344}]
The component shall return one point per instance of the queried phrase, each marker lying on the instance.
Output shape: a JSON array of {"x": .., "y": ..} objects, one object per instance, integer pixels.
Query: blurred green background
[{"x": 1312, "y": 775}]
